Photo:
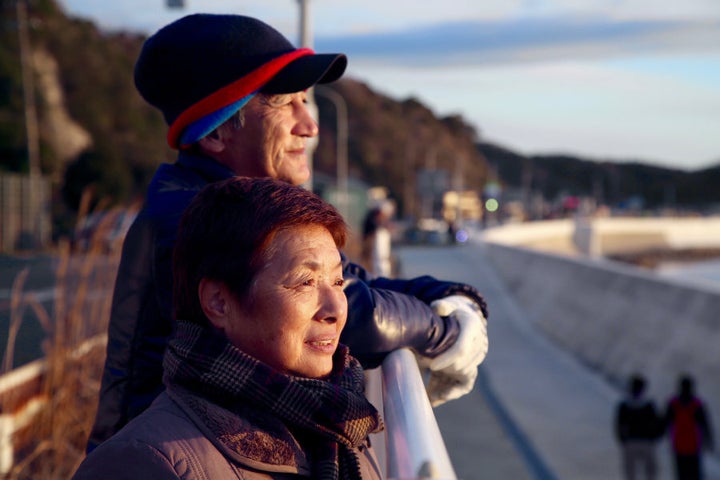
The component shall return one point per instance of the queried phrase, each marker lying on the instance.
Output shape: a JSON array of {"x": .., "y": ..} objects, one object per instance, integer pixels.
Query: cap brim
[{"x": 304, "y": 72}]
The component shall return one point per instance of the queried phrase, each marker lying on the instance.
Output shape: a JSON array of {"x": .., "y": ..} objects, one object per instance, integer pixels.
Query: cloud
[{"x": 525, "y": 39}]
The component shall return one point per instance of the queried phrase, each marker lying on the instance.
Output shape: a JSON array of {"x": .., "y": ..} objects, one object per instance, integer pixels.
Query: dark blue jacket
[{"x": 383, "y": 314}]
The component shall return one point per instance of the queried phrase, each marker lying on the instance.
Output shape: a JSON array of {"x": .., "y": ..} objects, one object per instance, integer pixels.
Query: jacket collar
[
  {"x": 206, "y": 166},
  {"x": 245, "y": 438}
]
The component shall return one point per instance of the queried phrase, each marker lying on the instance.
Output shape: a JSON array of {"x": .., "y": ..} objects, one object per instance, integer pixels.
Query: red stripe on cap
[{"x": 228, "y": 94}]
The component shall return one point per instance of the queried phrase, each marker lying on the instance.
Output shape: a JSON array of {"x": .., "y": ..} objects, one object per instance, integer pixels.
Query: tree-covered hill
[
  {"x": 95, "y": 130},
  {"x": 83, "y": 89},
  {"x": 391, "y": 142},
  {"x": 125, "y": 138},
  {"x": 610, "y": 183}
]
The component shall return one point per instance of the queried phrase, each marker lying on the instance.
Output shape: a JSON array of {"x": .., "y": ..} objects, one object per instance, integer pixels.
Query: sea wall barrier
[
  {"x": 605, "y": 236},
  {"x": 616, "y": 318}
]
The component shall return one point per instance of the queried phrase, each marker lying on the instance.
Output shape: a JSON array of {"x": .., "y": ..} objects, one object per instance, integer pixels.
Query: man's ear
[
  {"x": 215, "y": 302},
  {"x": 213, "y": 142}
]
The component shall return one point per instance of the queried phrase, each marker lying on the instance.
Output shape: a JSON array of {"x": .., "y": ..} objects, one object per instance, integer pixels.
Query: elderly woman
[{"x": 257, "y": 385}]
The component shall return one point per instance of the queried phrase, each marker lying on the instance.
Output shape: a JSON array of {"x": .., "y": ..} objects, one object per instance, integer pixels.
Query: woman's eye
[{"x": 340, "y": 282}]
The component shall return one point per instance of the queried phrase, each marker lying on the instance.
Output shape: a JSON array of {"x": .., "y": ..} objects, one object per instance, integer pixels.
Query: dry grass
[{"x": 75, "y": 337}]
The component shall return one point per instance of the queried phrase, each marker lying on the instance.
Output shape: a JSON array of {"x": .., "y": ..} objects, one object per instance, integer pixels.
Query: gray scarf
[{"x": 331, "y": 416}]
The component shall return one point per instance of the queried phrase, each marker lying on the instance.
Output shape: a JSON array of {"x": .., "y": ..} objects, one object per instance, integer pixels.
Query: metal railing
[{"x": 412, "y": 447}]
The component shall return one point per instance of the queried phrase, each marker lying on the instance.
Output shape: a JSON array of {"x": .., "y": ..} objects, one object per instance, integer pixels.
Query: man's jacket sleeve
[
  {"x": 387, "y": 314},
  {"x": 132, "y": 376}
]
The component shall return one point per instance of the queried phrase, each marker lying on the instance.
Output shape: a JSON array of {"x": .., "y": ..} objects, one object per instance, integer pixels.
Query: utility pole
[
  {"x": 305, "y": 27},
  {"x": 341, "y": 144},
  {"x": 31, "y": 121},
  {"x": 306, "y": 41}
]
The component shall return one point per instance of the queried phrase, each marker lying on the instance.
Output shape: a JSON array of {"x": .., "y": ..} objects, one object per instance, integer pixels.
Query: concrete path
[{"x": 536, "y": 412}]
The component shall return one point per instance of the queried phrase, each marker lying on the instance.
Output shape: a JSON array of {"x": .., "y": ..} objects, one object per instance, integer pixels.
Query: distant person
[
  {"x": 452, "y": 231},
  {"x": 688, "y": 424},
  {"x": 258, "y": 385},
  {"x": 637, "y": 428},
  {"x": 233, "y": 91},
  {"x": 370, "y": 225},
  {"x": 377, "y": 240}
]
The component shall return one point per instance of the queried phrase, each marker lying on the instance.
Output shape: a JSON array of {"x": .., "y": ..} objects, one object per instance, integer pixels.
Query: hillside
[
  {"x": 391, "y": 141},
  {"x": 611, "y": 183},
  {"x": 95, "y": 130},
  {"x": 120, "y": 140},
  {"x": 94, "y": 98}
]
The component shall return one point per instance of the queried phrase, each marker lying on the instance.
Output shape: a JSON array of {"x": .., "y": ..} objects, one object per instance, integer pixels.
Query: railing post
[{"x": 415, "y": 447}]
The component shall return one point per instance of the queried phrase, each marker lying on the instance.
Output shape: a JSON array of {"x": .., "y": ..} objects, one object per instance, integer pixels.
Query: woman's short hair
[{"x": 225, "y": 232}]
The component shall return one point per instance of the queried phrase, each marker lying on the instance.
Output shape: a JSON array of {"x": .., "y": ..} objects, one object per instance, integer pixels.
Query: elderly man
[{"x": 233, "y": 90}]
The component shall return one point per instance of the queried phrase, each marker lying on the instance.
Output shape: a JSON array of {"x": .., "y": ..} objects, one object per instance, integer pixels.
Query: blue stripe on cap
[{"x": 201, "y": 127}]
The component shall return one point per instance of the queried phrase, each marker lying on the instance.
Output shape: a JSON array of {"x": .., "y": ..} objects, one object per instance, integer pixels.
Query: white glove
[{"x": 453, "y": 372}]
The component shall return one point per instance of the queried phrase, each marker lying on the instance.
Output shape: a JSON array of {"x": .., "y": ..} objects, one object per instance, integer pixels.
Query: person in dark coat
[
  {"x": 688, "y": 424},
  {"x": 233, "y": 90},
  {"x": 637, "y": 428}
]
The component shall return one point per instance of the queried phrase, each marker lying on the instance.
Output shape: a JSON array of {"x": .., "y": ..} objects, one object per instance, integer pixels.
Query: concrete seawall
[
  {"x": 604, "y": 236},
  {"x": 615, "y": 318}
]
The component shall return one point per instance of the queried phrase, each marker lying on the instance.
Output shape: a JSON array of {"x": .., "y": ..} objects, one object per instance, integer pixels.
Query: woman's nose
[{"x": 333, "y": 305}]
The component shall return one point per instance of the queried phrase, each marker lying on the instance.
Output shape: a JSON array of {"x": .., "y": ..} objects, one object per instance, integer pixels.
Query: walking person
[
  {"x": 688, "y": 424},
  {"x": 232, "y": 90},
  {"x": 637, "y": 428}
]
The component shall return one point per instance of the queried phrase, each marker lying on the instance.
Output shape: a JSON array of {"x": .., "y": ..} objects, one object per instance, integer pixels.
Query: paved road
[
  {"x": 536, "y": 411},
  {"x": 86, "y": 282},
  {"x": 41, "y": 280}
]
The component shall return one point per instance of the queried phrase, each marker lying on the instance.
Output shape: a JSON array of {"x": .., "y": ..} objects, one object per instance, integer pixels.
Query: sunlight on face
[
  {"x": 295, "y": 310},
  {"x": 273, "y": 141}
]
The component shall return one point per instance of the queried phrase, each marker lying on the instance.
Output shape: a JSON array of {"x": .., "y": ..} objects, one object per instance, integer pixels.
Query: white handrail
[{"x": 414, "y": 446}]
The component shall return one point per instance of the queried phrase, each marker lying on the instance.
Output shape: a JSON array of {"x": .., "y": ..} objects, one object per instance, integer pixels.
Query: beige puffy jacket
[{"x": 169, "y": 441}]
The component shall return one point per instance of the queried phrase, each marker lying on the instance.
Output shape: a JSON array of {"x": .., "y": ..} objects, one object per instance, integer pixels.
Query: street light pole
[
  {"x": 31, "y": 121},
  {"x": 341, "y": 144},
  {"x": 306, "y": 41},
  {"x": 305, "y": 27}
]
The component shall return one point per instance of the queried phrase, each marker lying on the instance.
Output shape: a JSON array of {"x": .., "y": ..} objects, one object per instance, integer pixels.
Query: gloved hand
[{"x": 453, "y": 372}]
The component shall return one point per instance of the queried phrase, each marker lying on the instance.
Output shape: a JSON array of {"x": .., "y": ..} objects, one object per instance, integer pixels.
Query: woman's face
[{"x": 295, "y": 309}]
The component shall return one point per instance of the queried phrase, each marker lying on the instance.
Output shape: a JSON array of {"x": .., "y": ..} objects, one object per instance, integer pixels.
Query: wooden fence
[{"x": 24, "y": 212}]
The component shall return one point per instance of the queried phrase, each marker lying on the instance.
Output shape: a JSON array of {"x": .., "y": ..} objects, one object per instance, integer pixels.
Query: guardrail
[
  {"x": 23, "y": 397},
  {"x": 21, "y": 400},
  {"x": 413, "y": 445}
]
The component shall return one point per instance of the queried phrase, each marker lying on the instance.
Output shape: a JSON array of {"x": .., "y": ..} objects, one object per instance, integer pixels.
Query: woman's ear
[{"x": 215, "y": 302}]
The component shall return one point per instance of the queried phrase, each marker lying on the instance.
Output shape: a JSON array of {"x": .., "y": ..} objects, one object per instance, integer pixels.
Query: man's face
[{"x": 272, "y": 141}]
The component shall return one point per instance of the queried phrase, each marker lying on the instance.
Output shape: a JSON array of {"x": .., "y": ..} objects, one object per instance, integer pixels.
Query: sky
[{"x": 607, "y": 80}]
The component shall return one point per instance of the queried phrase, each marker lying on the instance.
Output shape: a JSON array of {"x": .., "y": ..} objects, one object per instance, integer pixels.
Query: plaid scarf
[{"x": 332, "y": 414}]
